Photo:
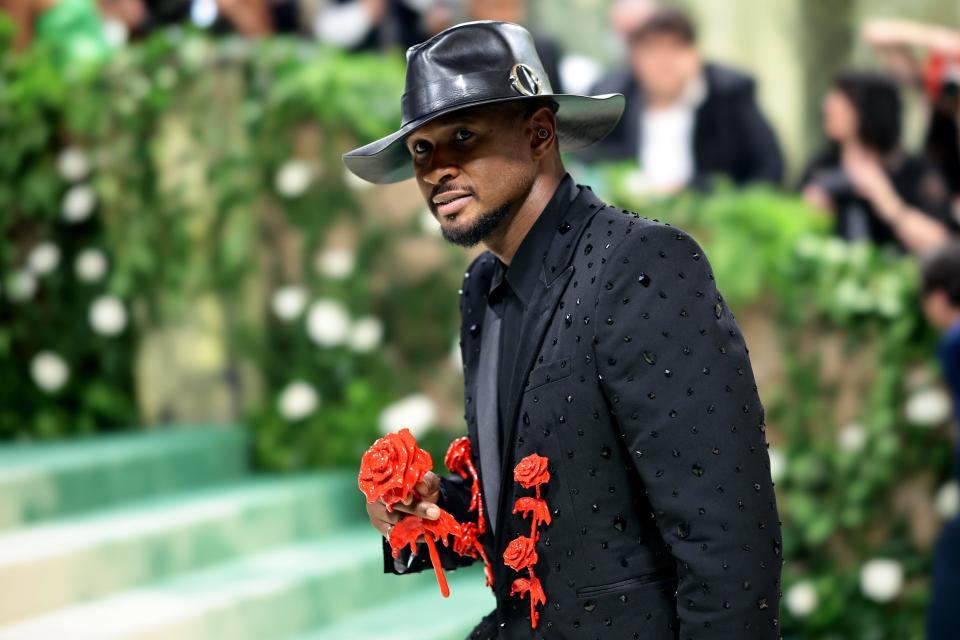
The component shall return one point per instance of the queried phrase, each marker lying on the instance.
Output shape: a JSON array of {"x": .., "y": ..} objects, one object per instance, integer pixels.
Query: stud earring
[{"x": 543, "y": 134}]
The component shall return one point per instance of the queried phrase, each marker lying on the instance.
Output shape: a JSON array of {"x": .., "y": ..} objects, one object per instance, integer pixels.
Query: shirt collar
[{"x": 523, "y": 273}]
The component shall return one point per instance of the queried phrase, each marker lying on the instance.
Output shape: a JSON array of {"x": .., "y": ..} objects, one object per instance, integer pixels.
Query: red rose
[
  {"x": 520, "y": 553},
  {"x": 391, "y": 466},
  {"x": 458, "y": 457},
  {"x": 531, "y": 471}
]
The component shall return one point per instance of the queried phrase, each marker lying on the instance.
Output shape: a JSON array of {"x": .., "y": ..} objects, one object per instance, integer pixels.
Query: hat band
[{"x": 461, "y": 89}]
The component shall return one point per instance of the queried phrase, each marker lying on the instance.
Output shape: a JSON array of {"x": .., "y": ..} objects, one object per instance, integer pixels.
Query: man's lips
[{"x": 451, "y": 202}]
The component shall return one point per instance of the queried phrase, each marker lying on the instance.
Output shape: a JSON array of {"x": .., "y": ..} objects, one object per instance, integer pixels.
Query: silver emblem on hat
[{"x": 524, "y": 80}]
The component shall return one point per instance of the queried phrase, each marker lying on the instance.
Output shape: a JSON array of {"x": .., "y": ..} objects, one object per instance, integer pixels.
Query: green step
[
  {"x": 43, "y": 480},
  {"x": 419, "y": 614},
  {"x": 269, "y": 596},
  {"x": 78, "y": 558}
]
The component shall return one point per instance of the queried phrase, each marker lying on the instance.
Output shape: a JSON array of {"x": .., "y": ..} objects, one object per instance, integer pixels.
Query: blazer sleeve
[
  {"x": 454, "y": 498},
  {"x": 674, "y": 369}
]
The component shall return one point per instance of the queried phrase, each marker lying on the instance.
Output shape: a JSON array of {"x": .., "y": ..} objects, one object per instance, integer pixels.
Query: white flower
[
  {"x": 288, "y": 302},
  {"x": 49, "y": 371},
  {"x": 43, "y": 258},
  {"x": 293, "y": 178},
  {"x": 328, "y": 322},
  {"x": 778, "y": 463},
  {"x": 947, "y": 501},
  {"x": 78, "y": 203},
  {"x": 802, "y": 599},
  {"x": 834, "y": 250},
  {"x": 335, "y": 263},
  {"x": 298, "y": 400},
  {"x": 807, "y": 246},
  {"x": 415, "y": 412},
  {"x": 21, "y": 285},
  {"x": 881, "y": 579},
  {"x": 90, "y": 265},
  {"x": 355, "y": 182},
  {"x": 365, "y": 335},
  {"x": 73, "y": 164},
  {"x": 928, "y": 407},
  {"x": 852, "y": 437},
  {"x": 115, "y": 32},
  {"x": 108, "y": 316}
]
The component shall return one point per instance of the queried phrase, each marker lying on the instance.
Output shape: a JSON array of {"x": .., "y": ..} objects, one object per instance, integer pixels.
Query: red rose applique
[
  {"x": 410, "y": 528},
  {"x": 391, "y": 466},
  {"x": 531, "y": 471},
  {"x": 388, "y": 471},
  {"x": 458, "y": 460},
  {"x": 520, "y": 554}
]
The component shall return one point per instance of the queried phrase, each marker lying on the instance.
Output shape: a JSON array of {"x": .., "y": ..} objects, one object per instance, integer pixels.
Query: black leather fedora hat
[{"x": 476, "y": 63}]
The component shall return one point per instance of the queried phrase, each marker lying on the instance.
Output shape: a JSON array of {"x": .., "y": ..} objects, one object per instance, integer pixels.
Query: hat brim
[{"x": 581, "y": 121}]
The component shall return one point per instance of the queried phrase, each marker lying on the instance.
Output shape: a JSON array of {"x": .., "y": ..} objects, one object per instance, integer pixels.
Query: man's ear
[{"x": 542, "y": 119}]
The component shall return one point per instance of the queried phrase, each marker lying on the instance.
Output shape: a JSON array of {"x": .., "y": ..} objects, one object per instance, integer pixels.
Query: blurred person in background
[
  {"x": 686, "y": 120},
  {"x": 940, "y": 291},
  {"x": 252, "y": 18},
  {"x": 875, "y": 190},
  {"x": 375, "y": 25},
  {"x": 74, "y": 30},
  {"x": 548, "y": 48},
  {"x": 900, "y": 45}
]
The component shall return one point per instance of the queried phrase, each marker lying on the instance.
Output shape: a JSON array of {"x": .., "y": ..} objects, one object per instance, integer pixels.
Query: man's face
[
  {"x": 663, "y": 63},
  {"x": 474, "y": 167}
]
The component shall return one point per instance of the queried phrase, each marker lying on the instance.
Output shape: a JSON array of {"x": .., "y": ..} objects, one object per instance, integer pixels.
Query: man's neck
[{"x": 505, "y": 241}]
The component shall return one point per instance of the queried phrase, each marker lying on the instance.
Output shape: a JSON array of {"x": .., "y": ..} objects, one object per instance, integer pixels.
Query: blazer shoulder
[
  {"x": 635, "y": 231},
  {"x": 661, "y": 246}
]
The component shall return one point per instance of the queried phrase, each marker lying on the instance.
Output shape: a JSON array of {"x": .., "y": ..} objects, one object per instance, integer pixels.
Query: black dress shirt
[{"x": 512, "y": 286}]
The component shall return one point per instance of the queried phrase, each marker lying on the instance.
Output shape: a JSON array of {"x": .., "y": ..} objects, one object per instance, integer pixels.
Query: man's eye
[
  {"x": 420, "y": 147},
  {"x": 462, "y": 134}
]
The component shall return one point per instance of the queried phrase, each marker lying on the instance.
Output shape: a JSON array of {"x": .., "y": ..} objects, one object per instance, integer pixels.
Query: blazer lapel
[{"x": 556, "y": 271}]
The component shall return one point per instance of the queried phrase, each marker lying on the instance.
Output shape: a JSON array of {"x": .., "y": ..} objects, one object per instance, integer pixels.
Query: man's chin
[{"x": 467, "y": 227}]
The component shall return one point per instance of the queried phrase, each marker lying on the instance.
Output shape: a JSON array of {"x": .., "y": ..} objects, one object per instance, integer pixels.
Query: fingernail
[{"x": 433, "y": 513}]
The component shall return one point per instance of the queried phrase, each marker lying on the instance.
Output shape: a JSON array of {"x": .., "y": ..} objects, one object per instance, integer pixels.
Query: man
[
  {"x": 686, "y": 121},
  {"x": 597, "y": 339},
  {"x": 941, "y": 303}
]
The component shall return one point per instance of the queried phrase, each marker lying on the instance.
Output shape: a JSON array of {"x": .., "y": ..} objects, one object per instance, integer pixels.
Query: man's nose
[{"x": 441, "y": 168}]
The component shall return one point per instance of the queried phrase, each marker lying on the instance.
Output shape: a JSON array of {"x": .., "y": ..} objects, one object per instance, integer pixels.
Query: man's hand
[{"x": 426, "y": 507}]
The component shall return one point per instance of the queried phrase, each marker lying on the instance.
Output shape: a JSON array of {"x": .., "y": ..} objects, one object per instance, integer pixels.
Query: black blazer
[
  {"x": 730, "y": 135},
  {"x": 638, "y": 388}
]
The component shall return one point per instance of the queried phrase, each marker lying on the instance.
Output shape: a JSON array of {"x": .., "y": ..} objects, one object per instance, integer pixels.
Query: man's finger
[{"x": 428, "y": 510}]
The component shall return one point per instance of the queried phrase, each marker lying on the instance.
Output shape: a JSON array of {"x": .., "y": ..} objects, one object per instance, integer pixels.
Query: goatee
[{"x": 480, "y": 229}]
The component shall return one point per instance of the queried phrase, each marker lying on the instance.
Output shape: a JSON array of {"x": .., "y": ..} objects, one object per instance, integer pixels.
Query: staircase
[{"x": 168, "y": 535}]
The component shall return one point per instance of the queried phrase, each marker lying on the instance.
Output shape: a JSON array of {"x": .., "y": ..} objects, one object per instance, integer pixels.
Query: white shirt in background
[{"x": 666, "y": 139}]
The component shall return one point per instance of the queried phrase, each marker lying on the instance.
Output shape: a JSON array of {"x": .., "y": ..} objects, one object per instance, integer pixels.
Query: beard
[{"x": 484, "y": 225}]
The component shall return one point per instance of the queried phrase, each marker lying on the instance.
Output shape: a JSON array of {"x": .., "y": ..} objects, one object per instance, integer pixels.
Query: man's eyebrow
[{"x": 445, "y": 121}]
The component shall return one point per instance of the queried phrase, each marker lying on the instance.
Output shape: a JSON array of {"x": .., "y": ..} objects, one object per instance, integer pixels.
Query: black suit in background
[
  {"x": 730, "y": 136},
  {"x": 636, "y": 384}
]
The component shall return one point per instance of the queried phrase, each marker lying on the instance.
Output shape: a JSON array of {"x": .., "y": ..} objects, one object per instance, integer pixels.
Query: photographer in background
[
  {"x": 940, "y": 292},
  {"x": 876, "y": 191},
  {"x": 687, "y": 119},
  {"x": 900, "y": 45}
]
